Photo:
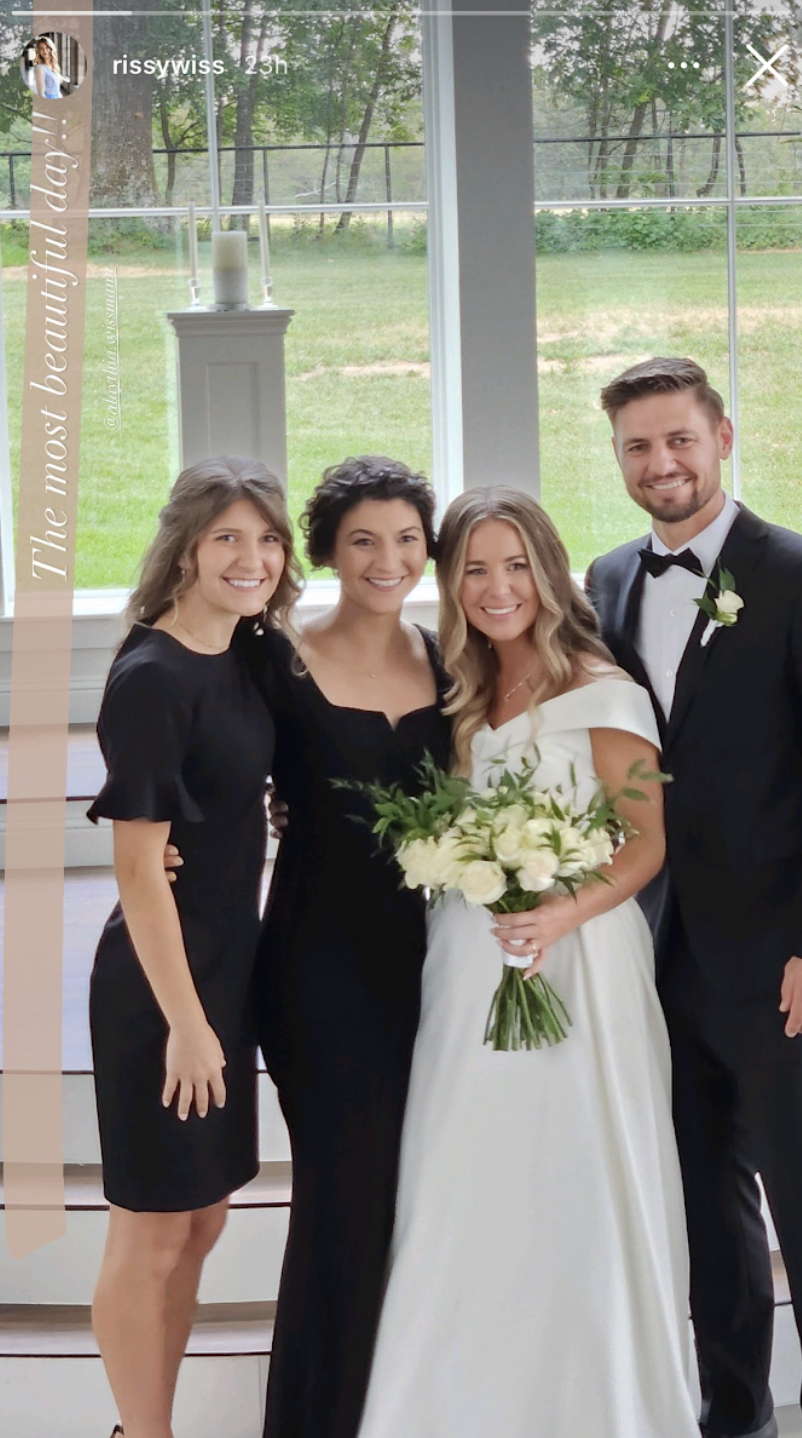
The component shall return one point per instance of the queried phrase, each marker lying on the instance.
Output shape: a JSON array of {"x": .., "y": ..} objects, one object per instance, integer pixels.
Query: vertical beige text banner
[{"x": 40, "y": 665}]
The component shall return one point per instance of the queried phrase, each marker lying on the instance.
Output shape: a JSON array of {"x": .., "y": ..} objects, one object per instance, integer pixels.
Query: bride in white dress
[{"x": 539, "y": 1284}]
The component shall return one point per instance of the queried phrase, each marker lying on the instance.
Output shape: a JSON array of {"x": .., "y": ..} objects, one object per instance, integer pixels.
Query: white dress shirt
[{"x": 667, "y": 611}]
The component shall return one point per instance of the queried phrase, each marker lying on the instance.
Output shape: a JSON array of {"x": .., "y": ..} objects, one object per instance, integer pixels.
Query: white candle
[
  {"x": 230, "y": 267},
  {"x": 265, "y": 244},
  {"x": 193, "y": 244}
]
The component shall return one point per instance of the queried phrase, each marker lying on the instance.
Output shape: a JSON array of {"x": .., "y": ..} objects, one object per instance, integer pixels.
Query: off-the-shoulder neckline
[{"x": 578, "y": 689}]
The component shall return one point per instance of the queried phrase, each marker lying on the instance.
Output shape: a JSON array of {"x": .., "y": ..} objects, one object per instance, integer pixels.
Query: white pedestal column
[{"x": 231, "y": 397}]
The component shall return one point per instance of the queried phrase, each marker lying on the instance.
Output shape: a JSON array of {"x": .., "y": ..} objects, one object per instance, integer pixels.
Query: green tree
[
  {"x": 349, "y": 73},
  {"x": 619, "y": 67},
  {"x": 125, "y": 103}
]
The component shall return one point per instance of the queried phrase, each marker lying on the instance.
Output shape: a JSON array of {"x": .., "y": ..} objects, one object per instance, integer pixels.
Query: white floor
[{"x": 217, "y": 1398}]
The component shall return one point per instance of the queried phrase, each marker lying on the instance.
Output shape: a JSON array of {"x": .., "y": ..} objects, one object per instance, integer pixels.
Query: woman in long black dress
[
  {"x": 188, "y": 744},
  {"x": 338, "y": 975}
]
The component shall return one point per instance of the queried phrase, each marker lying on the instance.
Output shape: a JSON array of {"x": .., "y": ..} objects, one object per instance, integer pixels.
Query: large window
[
  {"x": 668, "y": 192},
  {"x": 668, "y": 174},
  {"x": 320, "y": 116}
]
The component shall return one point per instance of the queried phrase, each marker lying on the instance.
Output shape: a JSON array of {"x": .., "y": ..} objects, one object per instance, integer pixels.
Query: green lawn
[
  {"x": 357, "y": 354},
  {"x": 599, "y": 313}
]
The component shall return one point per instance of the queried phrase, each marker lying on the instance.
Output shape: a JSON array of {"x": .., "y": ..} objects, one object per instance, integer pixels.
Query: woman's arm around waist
[{"x": 194, "y": 1059}]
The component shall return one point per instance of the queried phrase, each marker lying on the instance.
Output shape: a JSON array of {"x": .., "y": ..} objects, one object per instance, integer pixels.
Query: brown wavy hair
[
  {"x": 200, "y": 493},
  {"x": 565, "y": 632}
]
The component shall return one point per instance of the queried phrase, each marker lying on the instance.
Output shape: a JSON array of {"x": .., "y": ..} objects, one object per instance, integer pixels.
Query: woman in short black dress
[
  {"x": 338, "y": 976},
  {"x": 188, "y": 744}
]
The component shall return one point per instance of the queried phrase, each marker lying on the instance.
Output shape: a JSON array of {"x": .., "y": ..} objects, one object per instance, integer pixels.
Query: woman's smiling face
[
  {"x": 498, "y": 591},
  {"x": 380, "y": 553},
  {"x": 240, "y": 560}
]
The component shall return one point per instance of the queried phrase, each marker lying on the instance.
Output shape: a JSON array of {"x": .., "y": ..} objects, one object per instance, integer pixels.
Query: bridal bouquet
[{"x": 506, "y": 847}]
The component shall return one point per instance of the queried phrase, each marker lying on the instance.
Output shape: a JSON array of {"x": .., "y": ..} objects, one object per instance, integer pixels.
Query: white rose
[
  {"x": 729, "y": 603},
  {"x": 417, "y": 858},
  {"x": 472, "y": 822},
  {"x": 447, "y": 862},
  {"x": 571, "y": 844},
  {"x": 535, "y": 831},
  {"x": 538, "y": 870},
  {"x": 597, "y": 849},
  {"x": 482, "y": 882},
  {"x": 508, "y": 844},
  {"x": 513, "y": 814}
]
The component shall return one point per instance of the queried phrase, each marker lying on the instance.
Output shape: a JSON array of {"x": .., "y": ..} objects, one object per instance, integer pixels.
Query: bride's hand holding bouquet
[{"x": 534, "y": 931}]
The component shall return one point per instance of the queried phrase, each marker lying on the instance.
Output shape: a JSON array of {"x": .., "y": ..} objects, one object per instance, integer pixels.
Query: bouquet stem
[{"x": 525, "y": 1013}]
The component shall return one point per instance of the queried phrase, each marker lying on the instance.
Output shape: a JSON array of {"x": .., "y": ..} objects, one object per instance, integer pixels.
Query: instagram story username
[{"x": 176, "y": 66}]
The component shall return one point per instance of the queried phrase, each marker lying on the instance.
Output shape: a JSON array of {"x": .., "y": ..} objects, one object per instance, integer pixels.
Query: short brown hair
[{"x": 662, "y": 376}]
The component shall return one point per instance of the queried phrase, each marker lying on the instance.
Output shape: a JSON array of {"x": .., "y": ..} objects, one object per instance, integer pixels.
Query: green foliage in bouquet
[{"x": 403, "y": 816}]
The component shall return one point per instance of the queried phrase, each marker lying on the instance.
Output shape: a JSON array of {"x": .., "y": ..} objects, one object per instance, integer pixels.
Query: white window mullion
[
  {"x": 445, "y": 340},
  {"x": 478, "y": 91}
]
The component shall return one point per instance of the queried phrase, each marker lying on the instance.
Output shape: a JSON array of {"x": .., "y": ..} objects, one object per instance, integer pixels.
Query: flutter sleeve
[{"x": 144, "y": 727}]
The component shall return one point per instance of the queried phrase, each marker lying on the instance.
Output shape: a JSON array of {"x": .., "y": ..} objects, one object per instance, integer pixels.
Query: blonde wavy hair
[
  {"x": 53, "y": 61},
  {"x": 565, "y": 632},
  {"x": 170, "y": 565}
]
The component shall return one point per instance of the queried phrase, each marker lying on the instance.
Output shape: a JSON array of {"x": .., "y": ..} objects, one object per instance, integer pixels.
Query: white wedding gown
[{"x": 539, "y": 1284}]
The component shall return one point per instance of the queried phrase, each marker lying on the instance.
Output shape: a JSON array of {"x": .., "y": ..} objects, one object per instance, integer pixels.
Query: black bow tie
[{"x": 657, "y": 564}]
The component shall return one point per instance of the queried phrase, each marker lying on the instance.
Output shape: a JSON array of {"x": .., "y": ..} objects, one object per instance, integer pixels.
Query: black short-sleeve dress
[
  {"x": 337, "y": 1001},
  {"x": 187, "y": 738}
]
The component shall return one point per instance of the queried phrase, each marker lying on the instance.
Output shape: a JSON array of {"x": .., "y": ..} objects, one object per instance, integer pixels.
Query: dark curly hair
[{"x": 343, "y": 486}]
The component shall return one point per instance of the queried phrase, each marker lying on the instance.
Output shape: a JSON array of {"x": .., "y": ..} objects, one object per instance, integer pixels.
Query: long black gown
[
  {"x": 337, "y": 998},
  {"x": 186, "y": 738}
]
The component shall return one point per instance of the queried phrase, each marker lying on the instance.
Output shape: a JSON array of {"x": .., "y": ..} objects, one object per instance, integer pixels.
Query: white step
[
  {"x": 82, "y": 1145},
  {"x": 790, "y": 1421},
  {"x": 786, "y": 1365},
  {"x": 218, "y": 1397},
  {"x": 86, "y": 844},
  {"x": 244, "y": 1267},
  {"x": 223, "y": 1397},
  {"x": 221, "y": 1330}
]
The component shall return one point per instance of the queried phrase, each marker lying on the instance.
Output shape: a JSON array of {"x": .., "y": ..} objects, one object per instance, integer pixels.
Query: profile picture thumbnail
[{"x": 52, "y": 65}]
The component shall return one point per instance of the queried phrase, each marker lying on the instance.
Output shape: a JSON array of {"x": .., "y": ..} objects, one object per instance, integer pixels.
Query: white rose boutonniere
[{"x": 722, "y": 606}]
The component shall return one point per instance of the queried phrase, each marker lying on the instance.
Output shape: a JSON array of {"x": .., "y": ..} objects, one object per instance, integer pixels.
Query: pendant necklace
[
  {"x": 198, "y": 640},
  {"x": 516, "y": 687}
]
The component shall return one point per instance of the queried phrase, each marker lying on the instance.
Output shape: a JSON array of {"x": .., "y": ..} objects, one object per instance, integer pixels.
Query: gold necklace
[
  {"x": 198, "y": 640},
  {"x": 516, "y": 687}
]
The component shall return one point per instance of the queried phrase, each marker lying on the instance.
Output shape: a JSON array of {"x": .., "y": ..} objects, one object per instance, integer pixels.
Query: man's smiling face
[{"x": 670, "y": 448}]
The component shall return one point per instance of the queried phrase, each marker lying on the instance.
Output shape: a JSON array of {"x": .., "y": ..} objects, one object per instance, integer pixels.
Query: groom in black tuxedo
[{"x": 727, "y": 915}]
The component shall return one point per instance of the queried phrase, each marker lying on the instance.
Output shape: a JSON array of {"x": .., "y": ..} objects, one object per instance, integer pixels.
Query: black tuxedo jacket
[{"x": 733, "y": 744}]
